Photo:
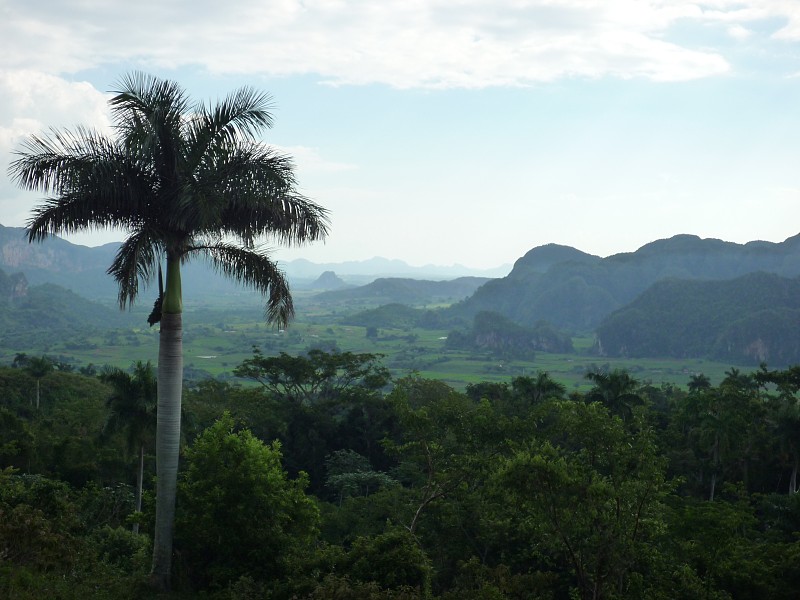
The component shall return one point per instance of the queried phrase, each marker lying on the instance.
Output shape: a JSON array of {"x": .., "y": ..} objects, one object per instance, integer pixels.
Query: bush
[{"x": 238, "y": 514}]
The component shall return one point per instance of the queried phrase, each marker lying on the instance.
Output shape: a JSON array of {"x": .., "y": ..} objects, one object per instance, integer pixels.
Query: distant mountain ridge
[
  {"x": 411, "y": 292},
  {"x": 576, "y": 291},
  {"x": 82, "y": 269}
]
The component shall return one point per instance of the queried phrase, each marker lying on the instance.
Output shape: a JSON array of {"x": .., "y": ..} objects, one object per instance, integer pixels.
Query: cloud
[
  {"x": 309, "y": 160},
  {"x": 400, "y": 43},
  {"x": 739, "y": 32},
  {"x": 33, "y": 102}
]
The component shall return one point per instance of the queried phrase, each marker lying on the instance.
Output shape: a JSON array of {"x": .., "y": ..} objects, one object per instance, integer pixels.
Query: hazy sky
[{"x": 458, "y": 131}]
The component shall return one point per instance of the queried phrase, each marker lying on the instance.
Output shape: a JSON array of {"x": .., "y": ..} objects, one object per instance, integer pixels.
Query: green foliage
[
  {"x": 316, "y": 377},
  {"x": 350, "y": 474},
  {"x": 589, "y": 496},
  {"x": 238, "y": 513},
  {"x": 393, "y": 560},
  {"x": 38, "y": 522}
]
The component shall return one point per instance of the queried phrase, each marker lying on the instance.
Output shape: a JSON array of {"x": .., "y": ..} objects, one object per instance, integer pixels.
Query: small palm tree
[
  {"x": 184, "y": 181},
  {"x": 132, "y": 408}
]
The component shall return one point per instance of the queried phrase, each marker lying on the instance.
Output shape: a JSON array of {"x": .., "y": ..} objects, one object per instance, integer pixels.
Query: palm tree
[
  {"x": 183, "y": 181},
  {"x": 617, "y": 390},
  {"x": 539, "y": 389},
  {"x": 38, "y": 367},
  {"x": 132, "y": 408}
]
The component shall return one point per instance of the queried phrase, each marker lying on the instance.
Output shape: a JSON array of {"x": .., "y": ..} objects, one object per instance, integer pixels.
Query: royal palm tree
[
  {"x": 183, "y": 181},
  {"x": 38, "y": 367},
  {"x": 132, "y": 408}
]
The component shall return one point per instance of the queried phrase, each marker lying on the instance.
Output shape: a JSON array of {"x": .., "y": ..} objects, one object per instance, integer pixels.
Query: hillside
[
  {"x": 576, "y": 291},
  {"x": 36, "y": 314},
  {"x": 749, "y": 319}
]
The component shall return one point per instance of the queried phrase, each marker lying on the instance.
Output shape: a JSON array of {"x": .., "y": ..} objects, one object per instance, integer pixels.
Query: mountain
[
  {"x": 328, "y": 281},
  {"x": 576, "y": 291},
  {"x": 79, "y": 268},
  {"x": 748, "y": 319},
  {"x": 357, "y": 270}
]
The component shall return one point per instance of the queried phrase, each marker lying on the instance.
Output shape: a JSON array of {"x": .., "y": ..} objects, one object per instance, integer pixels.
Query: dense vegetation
[{"x": 324, "y": 479}]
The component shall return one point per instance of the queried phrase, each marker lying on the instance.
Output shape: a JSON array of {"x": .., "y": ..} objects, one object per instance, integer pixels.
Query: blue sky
[{"x": 459, "y": 131}]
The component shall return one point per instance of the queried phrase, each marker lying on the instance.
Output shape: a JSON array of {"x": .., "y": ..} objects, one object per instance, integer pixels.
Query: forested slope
[{"x": 749, "y": 319}]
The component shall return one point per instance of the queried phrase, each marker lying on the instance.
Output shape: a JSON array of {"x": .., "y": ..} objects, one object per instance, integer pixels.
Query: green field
[{"x": 216, "y": 340}]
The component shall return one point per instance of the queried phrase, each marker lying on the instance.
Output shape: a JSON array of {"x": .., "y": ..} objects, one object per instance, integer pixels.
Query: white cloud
[
  {"x": 308, "y": 160},
  {"x": 739, "y": 32},
  {"x": 32, "y": 102},
  {"x": 402, "y": 43}
]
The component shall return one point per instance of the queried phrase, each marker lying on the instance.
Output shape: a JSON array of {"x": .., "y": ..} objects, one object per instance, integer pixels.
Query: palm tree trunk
[
  {"x": 37, "y": 392},
  {"x": 139, "y": 482},
  {"x": 793, "y": 478},
  {"x": 168, "y": 431},
  {"x": 714, "y": 465}
]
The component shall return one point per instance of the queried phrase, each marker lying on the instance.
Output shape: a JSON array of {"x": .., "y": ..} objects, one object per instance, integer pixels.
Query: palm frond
[
  {"x": 135, "y": 261},
  {"x": 94, "y": 184},
  {"x": 240, "y": 117},
  {"x": 150, "y": 115},
  {"x": 255, "y": 269},
  {"x": 253, "y": 191}
]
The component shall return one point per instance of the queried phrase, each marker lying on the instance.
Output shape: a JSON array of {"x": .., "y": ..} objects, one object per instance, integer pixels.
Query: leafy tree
[
  {"x": 698, "y": 382},
  {"x": 723, "y": 426},
  {"x": 392, "y": 559},
  {"x": 183, "y": 181},
  {"x": 447, "y": 443},
  {"x": 238, "y": 512},
  {"x": 132, "y": 408},
  {"x": 316, "y": 377},
  {"x": 350, "y": 474}
]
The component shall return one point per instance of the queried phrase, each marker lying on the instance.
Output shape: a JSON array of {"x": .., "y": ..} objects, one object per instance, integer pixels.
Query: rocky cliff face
[{"x": 18, "y": 287}]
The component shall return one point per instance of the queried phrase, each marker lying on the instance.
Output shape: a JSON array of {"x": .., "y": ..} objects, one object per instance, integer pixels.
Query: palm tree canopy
[
  {"x": 182, "y": 180},
  {"x": 617, "y": 390},
  {"x": 132, "y": 404}
]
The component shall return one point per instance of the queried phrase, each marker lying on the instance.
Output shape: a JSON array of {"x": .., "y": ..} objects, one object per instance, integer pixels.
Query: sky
[{"x": 456, "y": 131}]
